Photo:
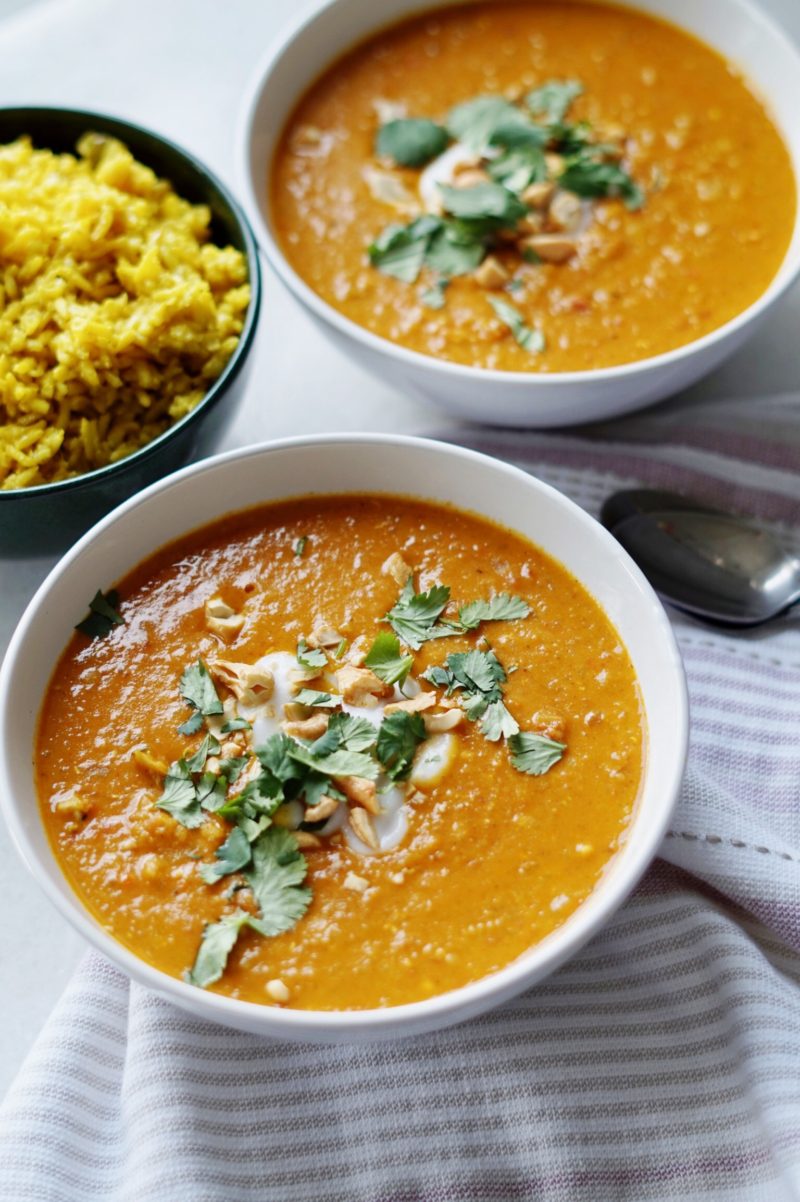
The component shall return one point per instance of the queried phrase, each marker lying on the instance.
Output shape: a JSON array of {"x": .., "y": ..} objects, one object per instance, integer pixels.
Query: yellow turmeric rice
[{"x": 117, "y": 312}]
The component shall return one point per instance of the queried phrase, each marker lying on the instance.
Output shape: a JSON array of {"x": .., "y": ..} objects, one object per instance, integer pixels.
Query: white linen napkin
[{"x": 662, "y": 1063}]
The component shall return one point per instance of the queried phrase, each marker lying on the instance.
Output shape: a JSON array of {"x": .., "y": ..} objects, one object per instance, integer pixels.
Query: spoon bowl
[{"x": 703, "y": 560}]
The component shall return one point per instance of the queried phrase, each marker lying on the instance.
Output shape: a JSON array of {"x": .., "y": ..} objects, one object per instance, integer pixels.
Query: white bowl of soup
[
  {"x": 357, "y": 736},
  {"x": 531, "y": 214}
]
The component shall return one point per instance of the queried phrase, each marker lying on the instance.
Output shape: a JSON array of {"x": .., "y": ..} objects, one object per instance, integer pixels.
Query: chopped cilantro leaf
[
  {"x": 480, "y": 675},
  {"x": 455, "y": 249},
  {"x": 413, "y": 616},
  {"x": 197, "y": 762},
  {"x": 400, "y": 249},
  {"x": 474, "y": 122},
  {"x": 219, "y": 939},
  {"x": 179, "y": 796},
  {"x": 235, "y": 724},
  {"x": 398, "y": 738},
  {"x": 483, "y": 202},
  {"x": 321, "y": 700},
  {"x": 212, "y": 791},
  {"x": 499, "y": 608},
  {"x": 553, "y": 99},
  {"x": 232, "y": 855},
  {"x": 198, "y": 691},
  {"x": 516, "y": 169},
  {"x": 340, "y": 650},
  {"x": 534, "y": 754},
  {"x": 231, "y": 767},
  {"x": 588, "y": 176},
  {"x": 310, "y": 659},
  {"x": 103, "y": 615},
  {"x": 497, "y": 722},
  {"x": 300, "y": 546},
  {"x": 192, "y": 725},
  {"x": 276, "y": 878},
  {"x": 385, "y": 660},
  {"x": 411, "y": 141},
  {"x": 529, "y": 339}
]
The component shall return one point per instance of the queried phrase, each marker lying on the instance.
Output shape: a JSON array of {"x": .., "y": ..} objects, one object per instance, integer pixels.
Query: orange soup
[
  {"x": 340, "y": 753},
  {"x": 538, "y": 187}
]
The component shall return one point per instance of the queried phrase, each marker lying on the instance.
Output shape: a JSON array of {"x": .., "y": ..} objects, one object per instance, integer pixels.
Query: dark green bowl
[{"x": 49, "y": 517}]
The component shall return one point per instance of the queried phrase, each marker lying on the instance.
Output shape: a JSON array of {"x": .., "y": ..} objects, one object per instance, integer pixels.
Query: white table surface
[{"x": 180, "y": 66}]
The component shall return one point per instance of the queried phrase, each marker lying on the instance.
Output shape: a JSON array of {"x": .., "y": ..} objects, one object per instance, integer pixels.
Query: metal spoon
[{"x": 702, "y": 560}]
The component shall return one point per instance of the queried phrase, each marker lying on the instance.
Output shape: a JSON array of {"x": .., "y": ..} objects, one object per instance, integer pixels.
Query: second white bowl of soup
[{"x": 532, "y": 214}]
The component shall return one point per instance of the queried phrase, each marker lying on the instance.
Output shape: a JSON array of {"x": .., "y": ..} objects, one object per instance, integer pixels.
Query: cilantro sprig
[
  {"x": 533, "y": 753},
  {"x": 103, "y": 615},
  {"x": 199, "y": 692},
  {"x": 503, "y": 607},
  {"x": 399, "y": 737},
  {"x": 414, "y": 616},
  {"x": 386, "y": 661},
  {"x": 479, "y": 675}
]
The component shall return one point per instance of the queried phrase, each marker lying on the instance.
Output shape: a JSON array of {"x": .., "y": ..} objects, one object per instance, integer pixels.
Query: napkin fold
[{"x": 661, "y": 1063}]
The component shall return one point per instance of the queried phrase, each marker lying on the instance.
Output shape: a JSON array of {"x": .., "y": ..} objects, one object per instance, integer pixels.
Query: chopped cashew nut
[
  {"x": 221, "y": 619},
  {"x": 361, "y": 823},
  {"x": 396, "y": 567},
  {"x": 538, "y": 196},
  {"x": 357, "y": 883},
  {"x": 323, "y": 635},
  {"x": 358, "y": 685},
  {"x": 470, "y": 177},
  {"x": 307, "y": 840},
  {"x": 555, "y": 163},
  {"x": 323, "y": 809},
  {"x": 552, "y": 248},
  {"x": 422, "y": 701},
  {"x": 73, "y": 805},
  {"x": 565, "y": 212},
  {"x": 308, "y": 728},
  {"x": 436, "y": 723},
  {"x": 491, "y": 273},
  {"x": 278, "y": 991},
  {"x": 151, "y": 763},
  {"x": 251, "y": 684},
  {"x": 359, "y": 790}
]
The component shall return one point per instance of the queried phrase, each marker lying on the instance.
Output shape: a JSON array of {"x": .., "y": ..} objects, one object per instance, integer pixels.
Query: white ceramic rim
[
  {"x": 391, "y": 1021},
  {"x": 458, "y": 371}
]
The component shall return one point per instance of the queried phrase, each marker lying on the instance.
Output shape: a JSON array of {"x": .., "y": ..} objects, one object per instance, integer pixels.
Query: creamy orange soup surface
[
  {"x": 434, "y": 791},
  {"x": 652, "y": 198}
]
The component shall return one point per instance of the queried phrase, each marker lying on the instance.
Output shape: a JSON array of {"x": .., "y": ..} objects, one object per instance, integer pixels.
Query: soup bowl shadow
[
  {"x": 46, "y": 518},
  {"x": 393, "y": 466},
  {"x": 738, "y": 29}
]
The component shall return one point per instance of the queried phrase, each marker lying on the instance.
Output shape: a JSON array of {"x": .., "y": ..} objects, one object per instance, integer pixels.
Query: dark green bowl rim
[{"x": 119, "y": 126}]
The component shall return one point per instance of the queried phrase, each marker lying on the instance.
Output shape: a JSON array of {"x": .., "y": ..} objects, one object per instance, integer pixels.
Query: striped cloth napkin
[{"x": 662, "y": 1063}]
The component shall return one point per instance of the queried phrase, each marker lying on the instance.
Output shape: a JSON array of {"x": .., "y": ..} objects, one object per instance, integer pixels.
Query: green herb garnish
[
  {"x": 219, "y": 939},
  {"x": 385, "y": 660},
  {"x": 475, "y": 122},
  {"x": 198, "y": 691},
  {"x": 230, "y": 856},
  {"x": 480, "y": 676},
  {"x": 179, "y": 796},
  {"x": 276, "y": 878},
  {"x": 553, "y": 99},
  {"x": 398, "y": 738},
  {"x": 319, "y": 700},
  {"x": 529, "y": 339},
  {"x": 592, "y": 177},
  {"x": 103, "y": 615},
  {"x": 309, "y": 658},
  {"x": 534, "y": 754},
  {"x": 500, "y": 608},
  {"x": 483, "y": 202},
  {"x": 413, "y": 617},
  {"x": 300, "y": 546},
  {"x": 411, "y": 141}
]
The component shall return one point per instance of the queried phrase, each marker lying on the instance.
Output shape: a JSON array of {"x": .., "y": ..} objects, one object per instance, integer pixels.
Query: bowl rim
[
  {"x": 441, "y": 1009},
  {"x": 246, "y": 338},
  {"x": 376, "y": 344}
]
